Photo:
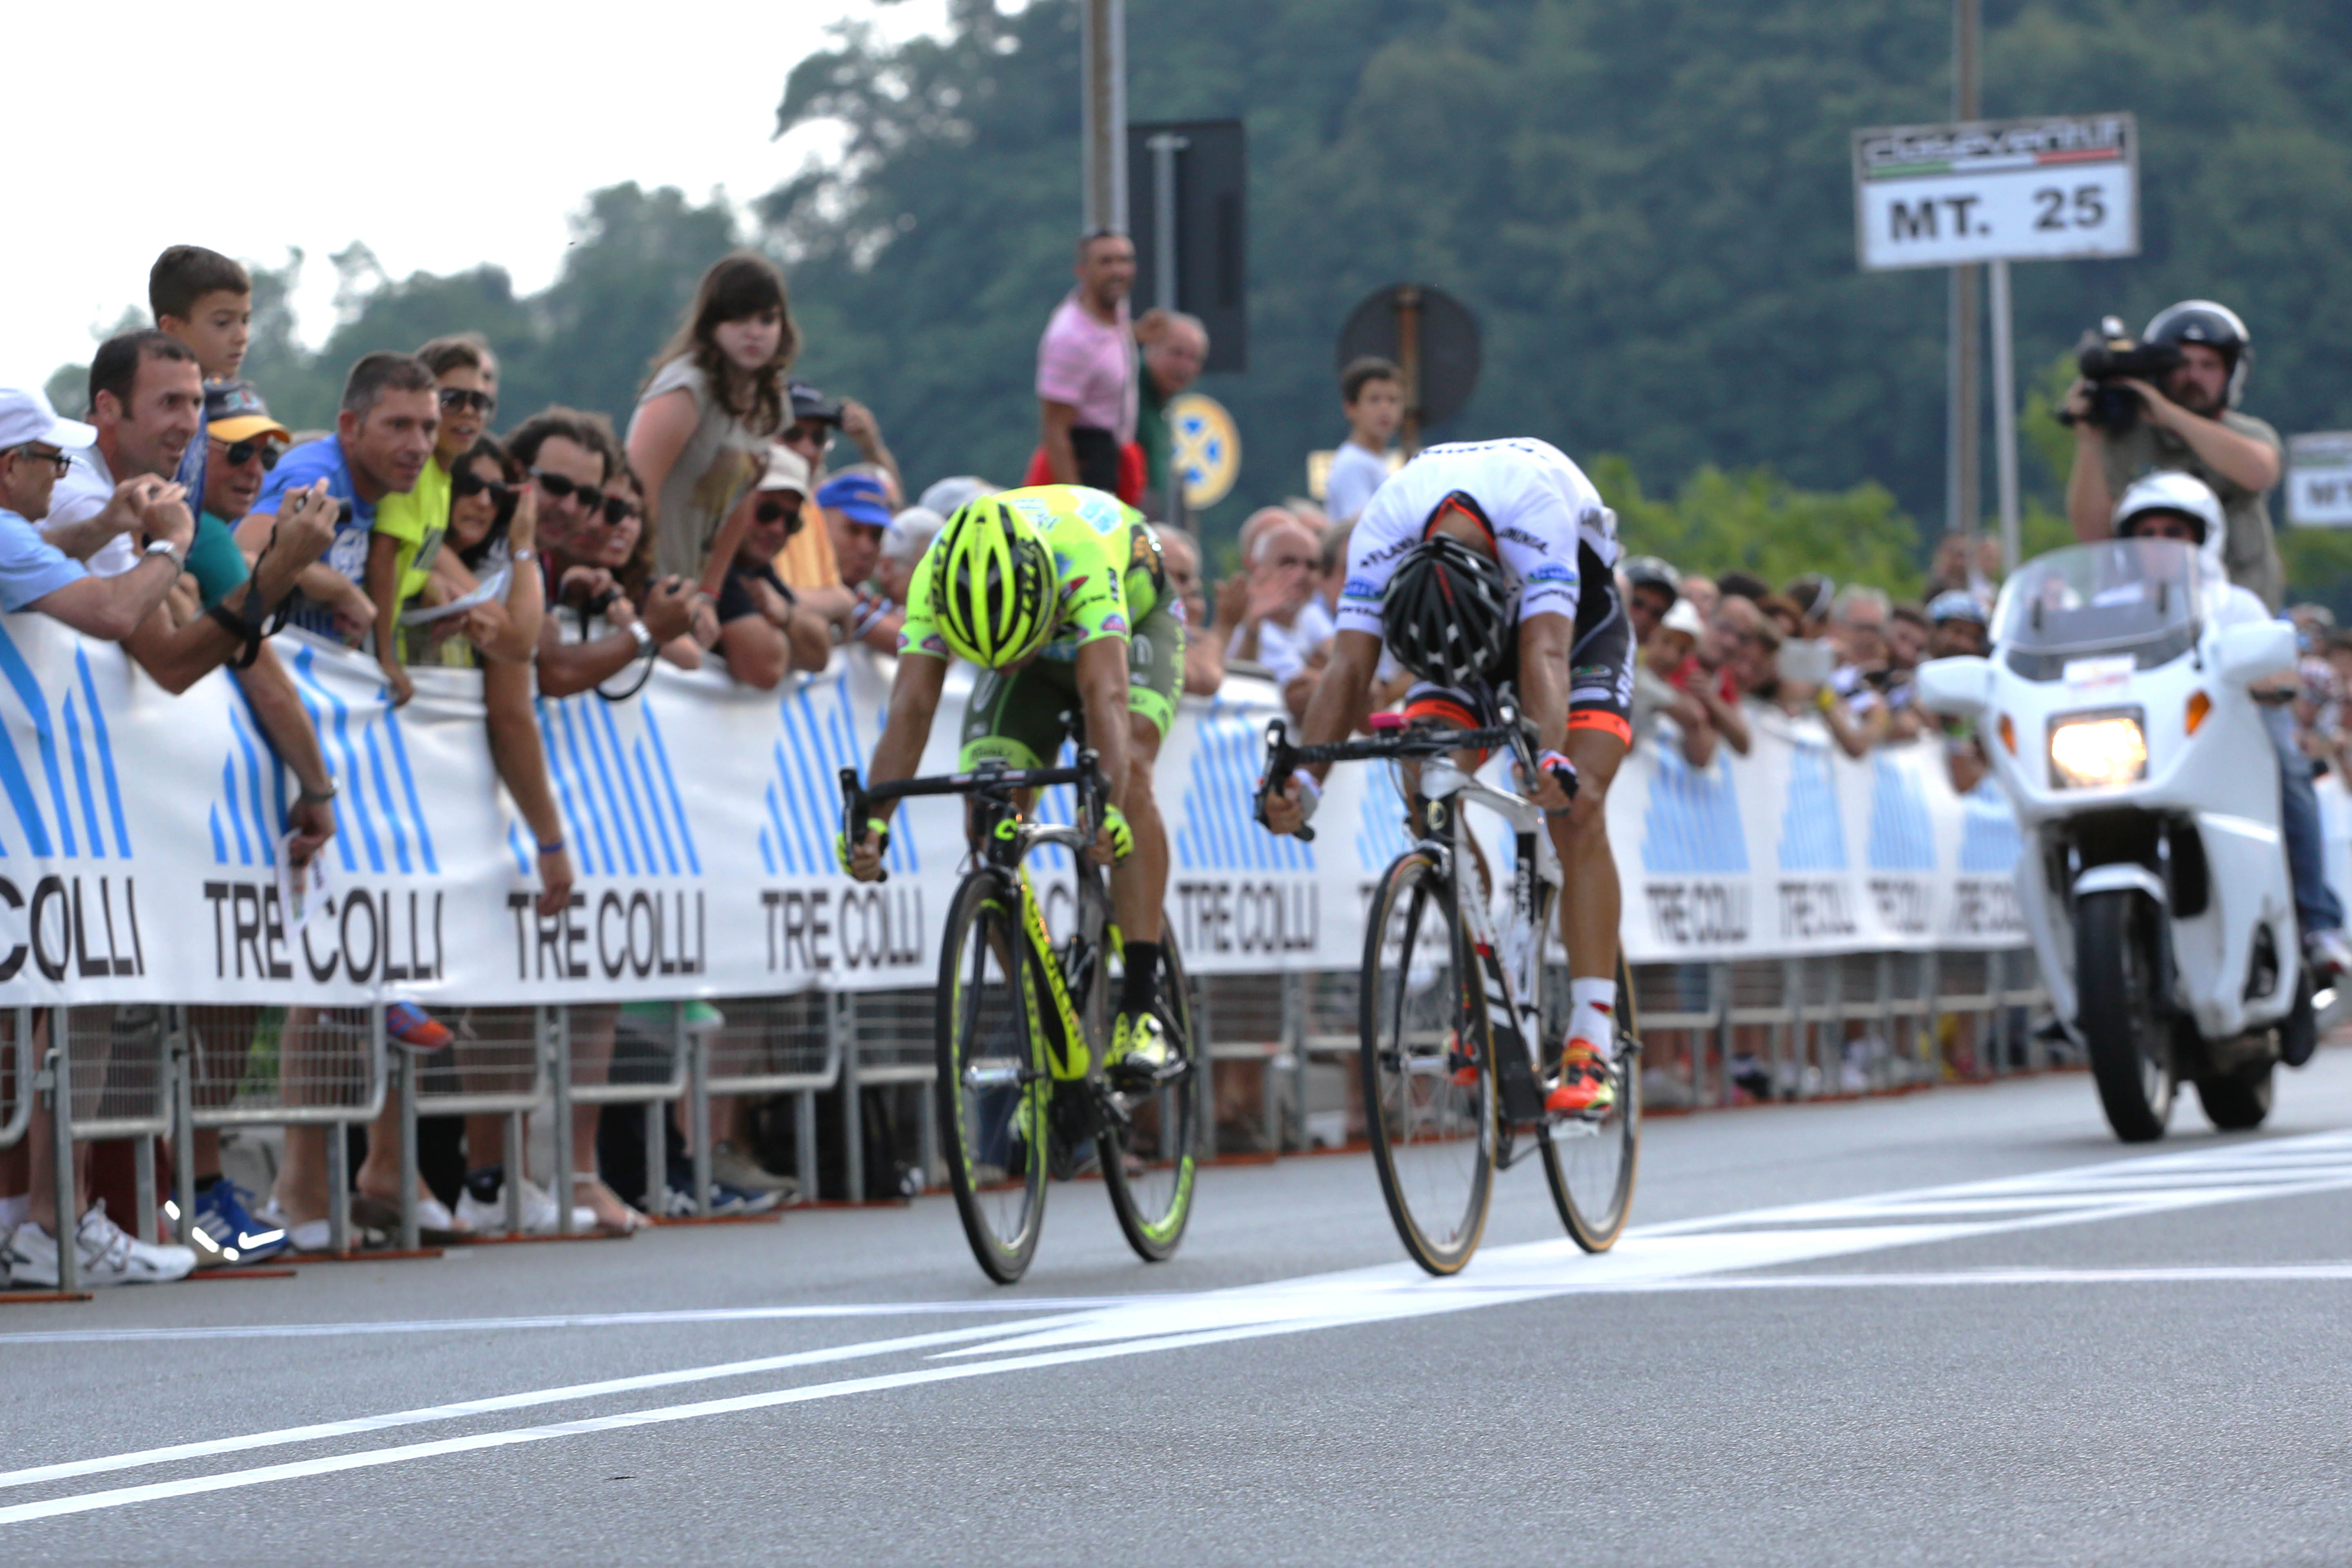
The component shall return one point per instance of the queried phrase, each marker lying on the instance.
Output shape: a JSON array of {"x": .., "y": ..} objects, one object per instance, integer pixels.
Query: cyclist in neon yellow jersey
[{"x": 1057, "y": 594}]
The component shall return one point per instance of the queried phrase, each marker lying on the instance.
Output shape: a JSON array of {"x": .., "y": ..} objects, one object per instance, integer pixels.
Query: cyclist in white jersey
[{"x": 1502, "y": 556}]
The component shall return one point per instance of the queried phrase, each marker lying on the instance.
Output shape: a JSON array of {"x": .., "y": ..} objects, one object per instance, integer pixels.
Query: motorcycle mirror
[
  {"x": 1955, "y": 688},
  {"x": 2250, "y": 652}
]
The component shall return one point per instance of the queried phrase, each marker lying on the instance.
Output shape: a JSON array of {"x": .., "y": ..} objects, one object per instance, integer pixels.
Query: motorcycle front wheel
[{"x": 2123, "y": 1020}]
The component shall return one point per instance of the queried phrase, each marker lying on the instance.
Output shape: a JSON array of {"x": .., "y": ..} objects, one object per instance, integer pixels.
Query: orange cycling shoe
[{"x": 1588, "y": 1087}]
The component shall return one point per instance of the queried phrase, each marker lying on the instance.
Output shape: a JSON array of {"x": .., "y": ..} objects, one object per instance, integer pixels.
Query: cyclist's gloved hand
[
  {"x": 856, "y": 860},
  {"x": 1556, "y": 766},
  {"x": 1122, "y": 836},
  {"x": 1287, "y": 809}
]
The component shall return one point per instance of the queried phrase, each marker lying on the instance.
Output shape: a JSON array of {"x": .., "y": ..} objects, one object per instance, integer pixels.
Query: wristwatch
[
  {"x": 644, "y": 638},
  {"x": 166, "y": 548}
]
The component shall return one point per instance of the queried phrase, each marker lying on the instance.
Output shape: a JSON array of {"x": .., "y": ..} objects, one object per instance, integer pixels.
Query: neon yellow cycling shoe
[{"x": 1139, "y": 1053}]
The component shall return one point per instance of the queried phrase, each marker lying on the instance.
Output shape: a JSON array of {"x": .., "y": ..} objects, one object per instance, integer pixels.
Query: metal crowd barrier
[
  {"x": 271, "y": 1067},
  {"x": 16, "y": 1070},
  {"x": 497, "y": 1066},
  {"x": 768, "y": 1045}
]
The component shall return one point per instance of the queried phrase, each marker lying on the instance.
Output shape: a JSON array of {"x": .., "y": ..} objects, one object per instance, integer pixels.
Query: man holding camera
[{"x": 2191, "y": 424}]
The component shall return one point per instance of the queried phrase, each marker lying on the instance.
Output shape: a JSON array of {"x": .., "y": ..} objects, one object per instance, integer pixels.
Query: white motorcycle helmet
[{"x": 2190, "y": 496}]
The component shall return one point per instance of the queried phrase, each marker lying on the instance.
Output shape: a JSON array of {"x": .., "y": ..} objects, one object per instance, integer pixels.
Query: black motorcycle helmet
[
  {"x": 2218, "y": 327},
  {"x": 1447, "y": 614}
]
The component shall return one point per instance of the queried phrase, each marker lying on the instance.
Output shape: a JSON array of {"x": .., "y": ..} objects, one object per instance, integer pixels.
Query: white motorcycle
[{"x": 2154, "y": 883}]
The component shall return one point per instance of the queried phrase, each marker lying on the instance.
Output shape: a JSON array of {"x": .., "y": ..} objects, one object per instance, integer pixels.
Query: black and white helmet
[
  {"x": 2218, "y": 327},
  {"x": 1447, "y": 614}
]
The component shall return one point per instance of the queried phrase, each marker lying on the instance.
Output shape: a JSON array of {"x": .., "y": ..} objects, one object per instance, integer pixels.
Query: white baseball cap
[{"x": 28, "y": 417}]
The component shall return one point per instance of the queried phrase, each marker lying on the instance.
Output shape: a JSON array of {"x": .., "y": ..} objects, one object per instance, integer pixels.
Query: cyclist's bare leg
[
  {"x": 1590, "y": 899},
  {"x": 1139, "y": 887}
]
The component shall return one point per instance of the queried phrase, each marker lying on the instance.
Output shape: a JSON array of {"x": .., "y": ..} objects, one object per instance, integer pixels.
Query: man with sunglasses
[
  {"x": 409, "y": 525},
  {"x": 762, "y": 632},
  {"x": 243, "y": 445},
  {"x": 1516, "y": 523}
]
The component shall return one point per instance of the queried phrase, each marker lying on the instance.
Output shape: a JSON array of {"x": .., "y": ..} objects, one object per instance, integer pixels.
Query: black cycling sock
[
  {"x": 486, "y": 1182},
  {"x": 1142, "y": 978}
]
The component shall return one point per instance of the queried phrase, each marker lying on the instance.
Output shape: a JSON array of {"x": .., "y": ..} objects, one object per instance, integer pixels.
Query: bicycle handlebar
[
  {"x": 1282, "y": 758},
  {"x": 857, "y": 801}
]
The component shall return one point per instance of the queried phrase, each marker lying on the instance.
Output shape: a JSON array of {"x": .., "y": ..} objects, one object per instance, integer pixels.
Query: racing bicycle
[
  {"x": 1452, "y": 1009},
  {"x": 1024, "y": 1022}
]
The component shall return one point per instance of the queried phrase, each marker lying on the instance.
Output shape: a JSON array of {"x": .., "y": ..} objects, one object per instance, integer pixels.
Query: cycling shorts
[
  {"x": 1600, "y": 669},
  {"x": 1017, "y": 716}
]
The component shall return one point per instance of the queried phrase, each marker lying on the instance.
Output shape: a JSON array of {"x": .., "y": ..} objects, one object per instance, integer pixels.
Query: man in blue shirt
[{"x": 383, "y": 438}]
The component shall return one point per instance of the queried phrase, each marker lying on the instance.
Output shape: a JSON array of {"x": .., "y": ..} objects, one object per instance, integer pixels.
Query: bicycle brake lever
[{"x": 853, "y": 813}]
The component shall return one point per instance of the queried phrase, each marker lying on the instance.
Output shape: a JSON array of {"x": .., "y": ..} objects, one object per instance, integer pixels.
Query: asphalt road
[{"x": 1962, "y": 1327}]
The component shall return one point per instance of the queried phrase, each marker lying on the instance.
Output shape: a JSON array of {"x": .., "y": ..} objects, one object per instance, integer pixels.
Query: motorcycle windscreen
[{"x": 2139, "y": 598}]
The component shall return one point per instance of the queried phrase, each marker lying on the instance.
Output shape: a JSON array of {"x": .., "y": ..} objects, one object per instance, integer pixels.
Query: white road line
[
  {"x": 1688, "y": 1256},
  {"x": 317, "y": 1431},
  {"x": 563, "y": 1321}
]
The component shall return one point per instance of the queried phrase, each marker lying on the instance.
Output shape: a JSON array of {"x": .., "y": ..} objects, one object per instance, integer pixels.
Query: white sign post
[
  {"x": 1996, "y": 191},
  {"x": 2319, "y": 479}
]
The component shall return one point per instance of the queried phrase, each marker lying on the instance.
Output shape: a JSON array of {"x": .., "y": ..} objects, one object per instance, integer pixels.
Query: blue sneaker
[{"x": 225, "y": 1227}]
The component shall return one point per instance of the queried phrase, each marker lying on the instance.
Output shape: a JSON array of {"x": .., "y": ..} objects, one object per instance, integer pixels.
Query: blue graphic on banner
[
  {"x": 377, "y": 809},
  {"x": 248, "y": 771},
  {"x": 621, "y": 811},
  {"x": 1221, "y": 831},
  {"x": 1900, "y": 837},
  {"x": 1990, "y": 841},
  {"x": 1692, "y": 828},
  {"x": 74, "y": 739},
  {"x": 1812, "y": 833},
  {"x": 801, "y": 805}
]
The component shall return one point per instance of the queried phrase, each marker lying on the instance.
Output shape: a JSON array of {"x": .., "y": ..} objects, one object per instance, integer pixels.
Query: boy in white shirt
[{"x": 1371, "y": 390}]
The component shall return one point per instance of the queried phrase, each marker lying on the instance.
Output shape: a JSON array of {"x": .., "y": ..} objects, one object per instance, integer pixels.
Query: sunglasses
[
  {"x": 244, "y": 452},
  {"x": 771, "y": 512},
  {"x": 558, "y": 488},
  {"x": 619, "y": 510},
  {"x": 463, "y": 484},
  {"x": 466, "y": 397},
  {"x": 808, "y": 434}
]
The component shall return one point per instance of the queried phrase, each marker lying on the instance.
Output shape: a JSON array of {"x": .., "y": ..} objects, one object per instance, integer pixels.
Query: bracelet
[
  {"x": 524, "y": 556},
  {"x": 554, "y": 848},
  {"x": 318, "y": 798}
]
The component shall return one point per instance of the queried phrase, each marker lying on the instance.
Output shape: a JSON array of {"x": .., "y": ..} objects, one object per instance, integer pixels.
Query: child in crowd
[{"x": 1373, "y": 392}]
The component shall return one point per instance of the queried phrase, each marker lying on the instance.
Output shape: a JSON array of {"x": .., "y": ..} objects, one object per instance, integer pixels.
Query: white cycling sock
[{"x": 1593, "y": 1018}]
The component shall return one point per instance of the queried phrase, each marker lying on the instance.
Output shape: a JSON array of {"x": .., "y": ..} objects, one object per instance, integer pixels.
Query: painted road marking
[{"x": 1692, "y": 1255}]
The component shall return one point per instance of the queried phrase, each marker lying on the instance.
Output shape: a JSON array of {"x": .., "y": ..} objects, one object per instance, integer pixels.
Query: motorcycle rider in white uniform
[{"x": 2181, "y": 506}]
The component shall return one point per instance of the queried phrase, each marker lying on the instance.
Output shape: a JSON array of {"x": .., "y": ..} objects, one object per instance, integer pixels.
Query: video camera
[{"x": 2106, "y": 357}]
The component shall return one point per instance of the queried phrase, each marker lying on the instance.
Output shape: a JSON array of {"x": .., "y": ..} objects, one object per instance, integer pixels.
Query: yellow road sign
[{"x": 1208, "y": 448}]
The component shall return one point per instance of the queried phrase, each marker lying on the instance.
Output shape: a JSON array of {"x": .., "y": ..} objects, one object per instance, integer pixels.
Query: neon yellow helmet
[{"x": 992, "y": 584}]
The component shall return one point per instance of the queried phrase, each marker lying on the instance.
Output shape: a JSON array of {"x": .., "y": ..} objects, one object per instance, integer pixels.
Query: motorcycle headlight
[{"x": 2098, "y": 749}]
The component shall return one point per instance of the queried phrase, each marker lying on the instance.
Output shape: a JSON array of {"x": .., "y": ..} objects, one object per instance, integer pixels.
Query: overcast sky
[{"x": 468, "y": 134}]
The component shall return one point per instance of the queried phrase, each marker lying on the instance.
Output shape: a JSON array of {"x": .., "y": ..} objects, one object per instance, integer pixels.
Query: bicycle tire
[
  {"x": 1591, "y": 1165},
  {"x": 1428, "y": 1066},
  {"x": 992, "y": 1081},
  {"x": 1151, "y": 1144}
]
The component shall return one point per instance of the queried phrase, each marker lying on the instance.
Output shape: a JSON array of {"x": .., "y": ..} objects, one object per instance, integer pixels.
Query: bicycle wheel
[
  {"x": 1150, "y": 1139},
  {"x": 1591, "y": 1162},
  {"x": 993, "y": 1083},
  {"x": 1428, "y": 1073}
]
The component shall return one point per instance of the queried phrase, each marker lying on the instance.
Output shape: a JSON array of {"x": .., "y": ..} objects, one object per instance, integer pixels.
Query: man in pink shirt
[{"x": 1085, "y": 369}]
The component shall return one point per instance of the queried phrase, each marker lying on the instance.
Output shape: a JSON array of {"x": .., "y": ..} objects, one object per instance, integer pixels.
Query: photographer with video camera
[{"x": 2170, "y": 403}]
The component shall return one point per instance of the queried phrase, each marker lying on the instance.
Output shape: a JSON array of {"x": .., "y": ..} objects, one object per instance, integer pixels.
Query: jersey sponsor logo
[
  {"x": 1389, "y": 552},
  {"x": 1360, "y": 588},
  {"x": 1115, "y": 623},
  {"x": 1100, "y": 512},
  {"x": 1521, "y": 536},
  {"x": 935, "y": 644},
  {"x": 1551, "y": 572}
]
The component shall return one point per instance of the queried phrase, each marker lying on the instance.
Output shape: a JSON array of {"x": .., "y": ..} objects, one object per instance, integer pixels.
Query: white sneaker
[
  {"x": 108, "y": 1254},
  {"x": 538, "y": 1213}
]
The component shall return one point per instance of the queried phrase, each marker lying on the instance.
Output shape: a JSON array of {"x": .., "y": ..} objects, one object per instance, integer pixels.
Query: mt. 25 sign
[{"x": 1997, "y": 190}]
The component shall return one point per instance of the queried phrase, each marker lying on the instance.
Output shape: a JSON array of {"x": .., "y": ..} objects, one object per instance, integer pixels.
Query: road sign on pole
[
  {"x": 2319, "y": 479},
  {"x": 1433, "y": 339},
  {"x": 1190, "y": 237},
  {"x": 2009, "y": 190},
  {"x": 1208, "y": 448}
]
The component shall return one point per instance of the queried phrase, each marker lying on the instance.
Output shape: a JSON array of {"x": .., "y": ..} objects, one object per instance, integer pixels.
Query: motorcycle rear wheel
[
  {"x": 2237, "y": 1102},
  {"x": 2123, "y": 1022}
]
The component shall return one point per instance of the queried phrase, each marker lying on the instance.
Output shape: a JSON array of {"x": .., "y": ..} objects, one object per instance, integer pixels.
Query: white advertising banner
[{"x": 138, "y": 856}]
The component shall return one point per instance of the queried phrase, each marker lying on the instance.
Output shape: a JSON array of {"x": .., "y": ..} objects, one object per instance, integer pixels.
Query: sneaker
[
  {"x": 737, "y": 1168},
  {"x": 726, "y": 1200},
  {"x": 107, "y": 1253},
  {"x": 407, "y": 1024},
  {"x": 538, "y": 1213},
  {"x": 1586, "y": 1086},
  {"x": 225, "y": 1227},
  {"x": 1139, "y": 1056}
]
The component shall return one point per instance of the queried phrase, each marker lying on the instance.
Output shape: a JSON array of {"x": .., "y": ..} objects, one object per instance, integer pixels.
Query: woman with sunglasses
[
  {"x": 714, "y": 399},
  {"x": 635, "y": 548}
]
